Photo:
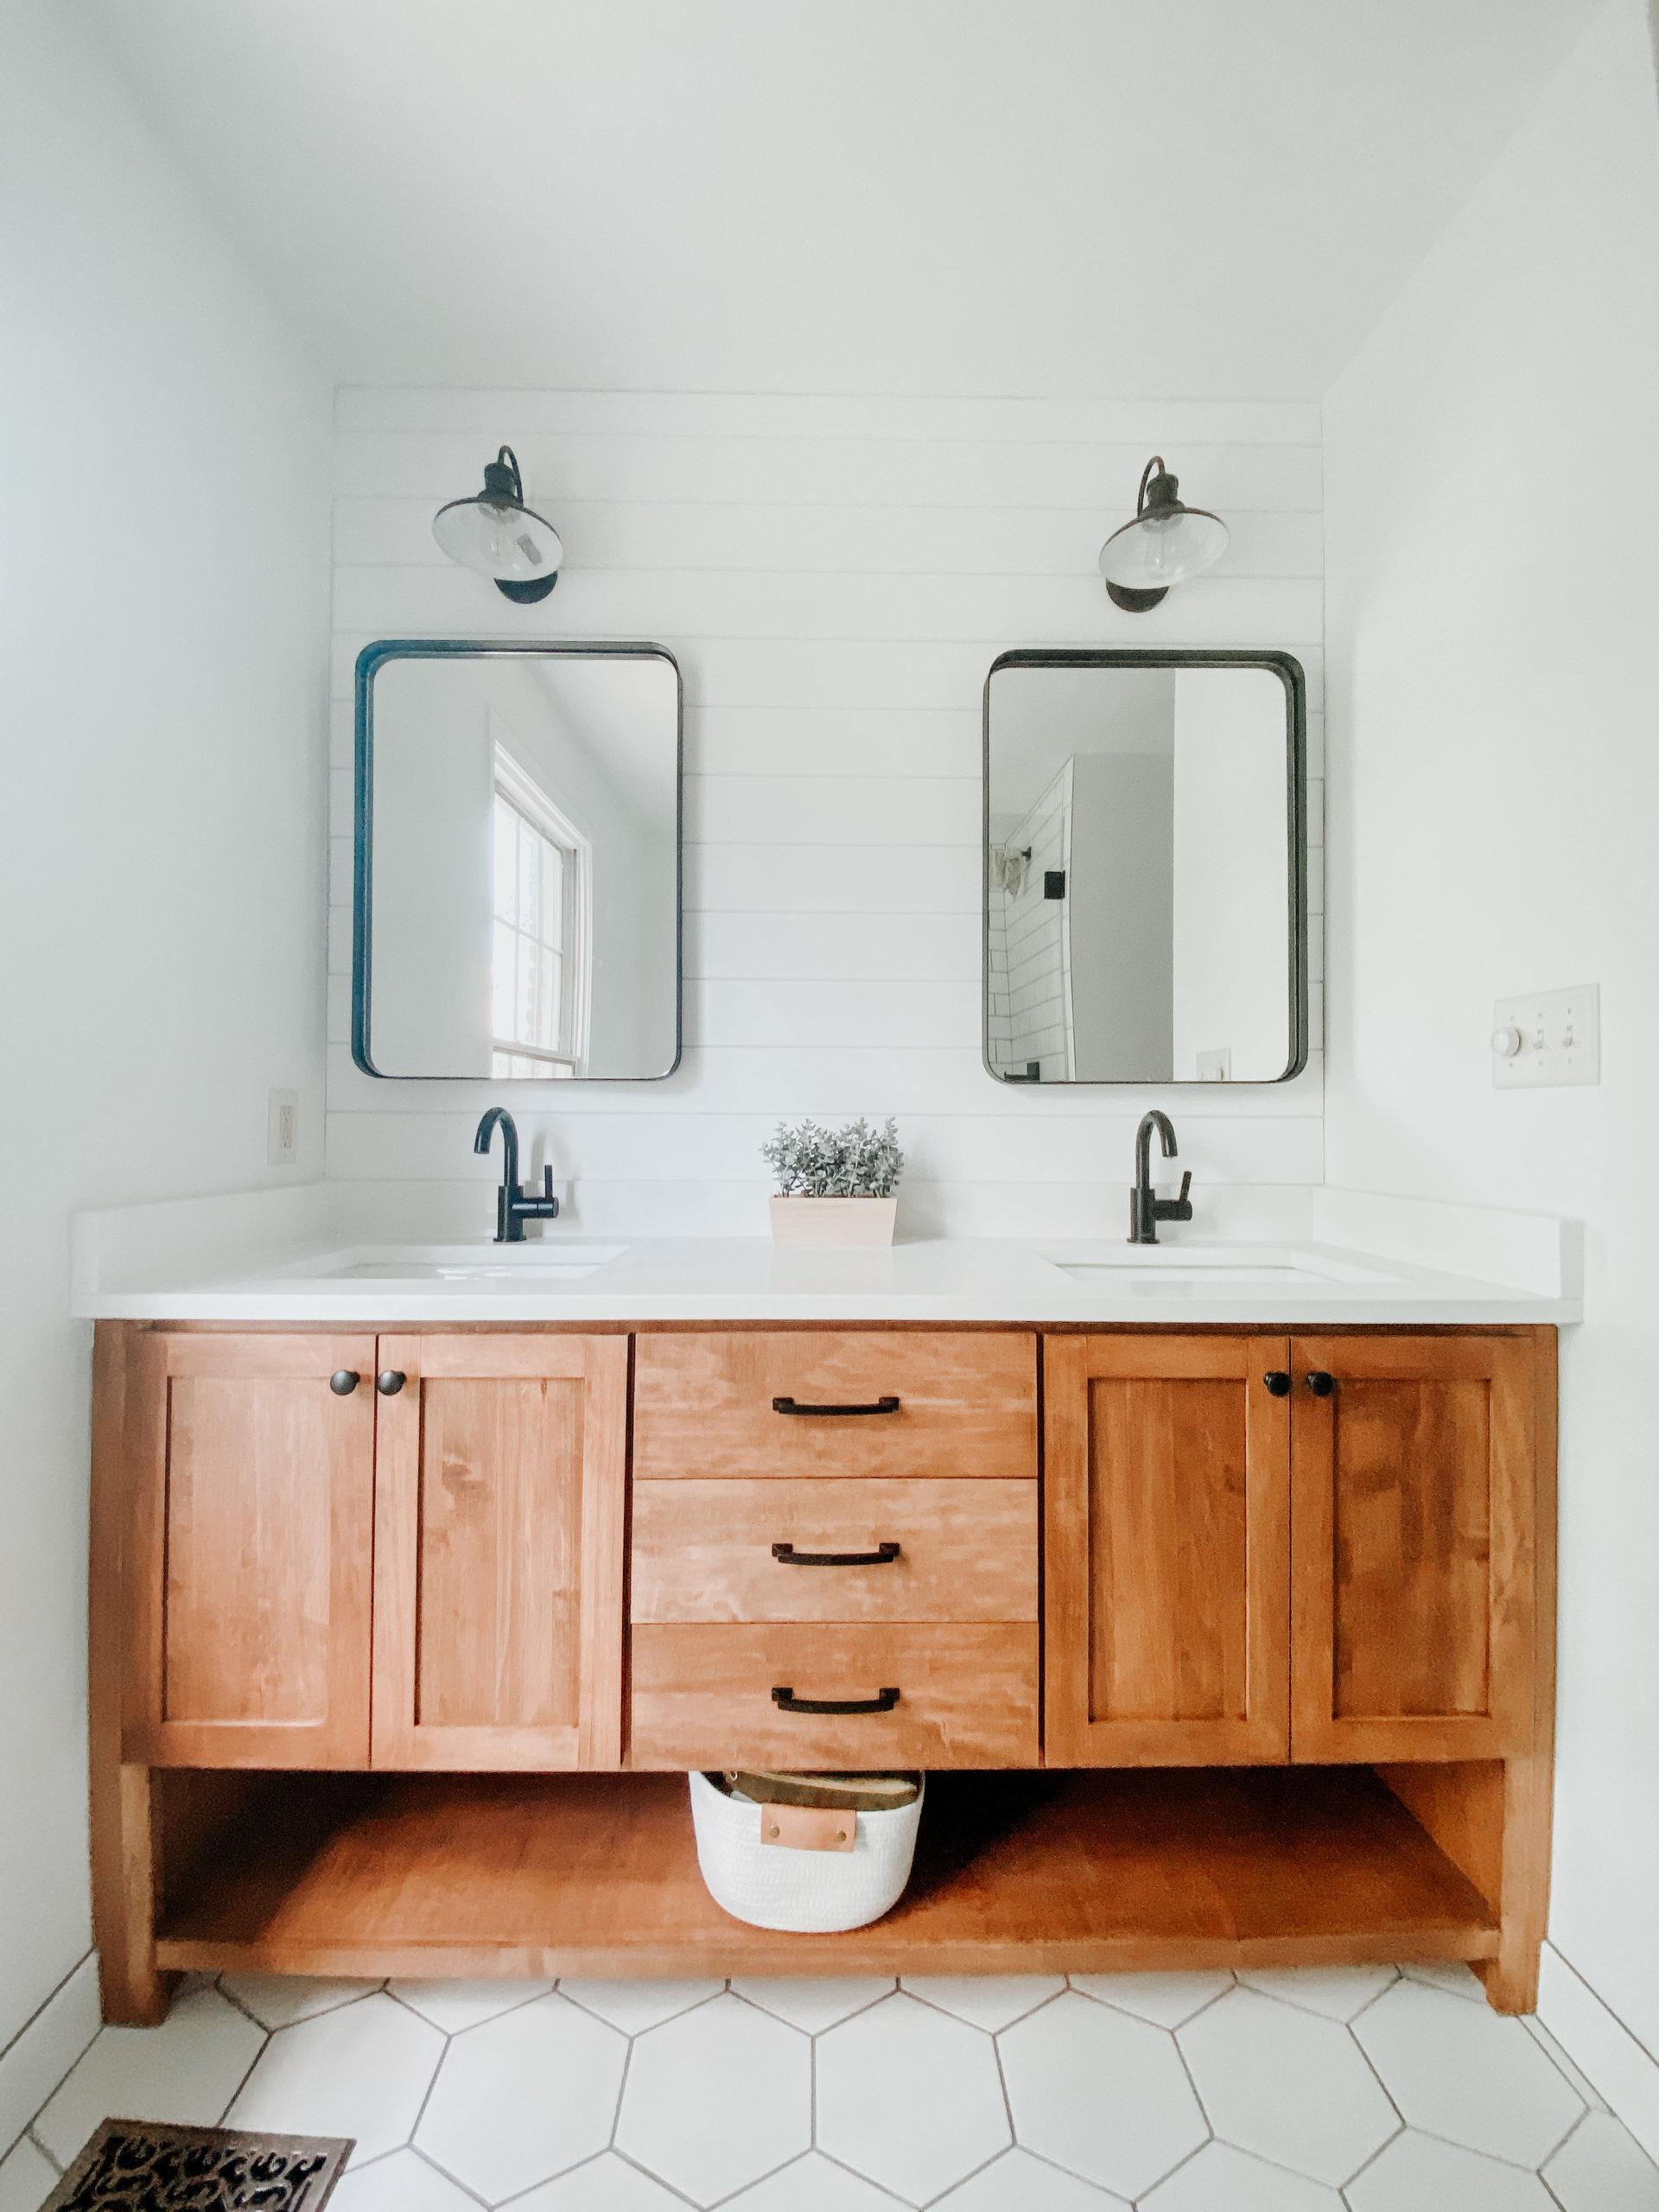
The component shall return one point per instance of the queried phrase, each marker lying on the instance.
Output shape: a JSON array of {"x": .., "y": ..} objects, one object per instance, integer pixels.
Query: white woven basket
[{"x": 801, "y": 1892}]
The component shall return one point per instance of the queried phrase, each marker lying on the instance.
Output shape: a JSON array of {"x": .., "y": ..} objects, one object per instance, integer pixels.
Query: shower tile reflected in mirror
[{"x": 1145, "y": 868}]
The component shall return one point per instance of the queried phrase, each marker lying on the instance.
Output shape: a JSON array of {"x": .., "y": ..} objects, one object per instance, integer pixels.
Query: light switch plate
[{"x": 1559, "y": 1035}]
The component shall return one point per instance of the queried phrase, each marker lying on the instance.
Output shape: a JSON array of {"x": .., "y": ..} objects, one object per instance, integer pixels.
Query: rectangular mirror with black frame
[
  {"x": 1145, "y": 868},
  {"x": 517, "y": 896}
]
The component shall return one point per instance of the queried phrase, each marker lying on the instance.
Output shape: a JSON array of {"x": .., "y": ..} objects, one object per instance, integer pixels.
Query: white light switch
[{"x": 1547, "y": 1039}]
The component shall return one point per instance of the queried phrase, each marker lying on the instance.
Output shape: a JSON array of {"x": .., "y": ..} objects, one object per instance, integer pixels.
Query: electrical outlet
[
  {"x": 283, "y": 1129},
  {"x": 1547, "y": 1039}
]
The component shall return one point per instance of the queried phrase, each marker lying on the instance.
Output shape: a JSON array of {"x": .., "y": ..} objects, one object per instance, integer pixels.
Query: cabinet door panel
[
  {"x": 498, "y": 1553},
  {"x": 1166, "y": 1573},
  {"x": 251, "y": 1555},
  {"x": 1413, "y": 1531}
]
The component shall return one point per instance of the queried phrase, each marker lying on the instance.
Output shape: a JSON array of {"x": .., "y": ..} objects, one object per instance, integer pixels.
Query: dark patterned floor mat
[{"x": 136, "y": 2165}]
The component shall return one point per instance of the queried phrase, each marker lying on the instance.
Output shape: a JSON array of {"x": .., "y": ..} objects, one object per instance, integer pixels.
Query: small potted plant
[{"x": 835, "y": 1187}]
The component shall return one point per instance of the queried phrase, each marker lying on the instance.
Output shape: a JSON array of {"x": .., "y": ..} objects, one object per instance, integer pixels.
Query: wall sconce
[
  {"x": 497, "y": 534},
  {"x": 1164, "y": 544}
]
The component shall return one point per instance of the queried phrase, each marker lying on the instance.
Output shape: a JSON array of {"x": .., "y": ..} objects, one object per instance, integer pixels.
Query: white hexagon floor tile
[
  {"x": 362, "y": 2070},
  {"x": 276, "y": 2000},
  {"x": 813, "y": 2184},
  {"x": 1449, "y": 1975},
  {"x": 1336, "y": 1992},
  {"x": 606, "y": 2183},
  {"x": 523, "y": 2097},
  {"x": 1588, "y": 2093},
  {"x": 1018, "y": 2183},
  {"x": 403, "y": 2182},
  {"x": 1468, "y": 2073},
  {"x": 1224, "y": 2179},
  {"x": 635, "y": 2006},
  {"x": 453, "y": 2005},
  {"x": 910, "y": 2098},
  {"x": 985, "y": 2000},
  {"x": 815, "y": 2004},
  {"x": 27, "y": 2178},
  {"x": 188, "y": 2070},
  {"x": 1165, "y": 1999},
  {"x": 1601, "y": 2167},
  {"x": 1104, "y": 2095},
  {"x": 1417, "y": 2171},
  {"x": 1287, "y": 2085},
  {"x": 717, "y": 2099}
]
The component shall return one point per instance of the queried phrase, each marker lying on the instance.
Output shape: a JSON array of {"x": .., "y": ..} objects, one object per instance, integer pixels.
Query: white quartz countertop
[{"x": 185, "y": 1262}]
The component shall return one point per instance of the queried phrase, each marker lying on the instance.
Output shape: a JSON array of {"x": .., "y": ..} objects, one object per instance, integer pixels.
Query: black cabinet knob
[
  {"x": 1320, "y": 1383},
  {"x": 390, "y": 1381},
  {"x": 1278, "y": 1382},
  {"x": 342, "y": 1381}
]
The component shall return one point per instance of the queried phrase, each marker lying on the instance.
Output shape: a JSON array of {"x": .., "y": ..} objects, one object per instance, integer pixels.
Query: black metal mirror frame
[
  {"x": 370, "y": 661},
  {"x": 1288, "y": 669}
]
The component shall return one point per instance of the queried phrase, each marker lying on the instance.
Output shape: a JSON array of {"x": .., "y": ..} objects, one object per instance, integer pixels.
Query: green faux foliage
[{"x": 856, "y": 1162}]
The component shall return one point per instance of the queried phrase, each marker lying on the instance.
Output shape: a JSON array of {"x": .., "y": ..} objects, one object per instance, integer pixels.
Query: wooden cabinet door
[
  {"x": 1412, "y": 1532},
  {"x": 251, "y": 1539},
  {"x": 1167, "y": 1553},
  {"x": 499, "y": 1548}
]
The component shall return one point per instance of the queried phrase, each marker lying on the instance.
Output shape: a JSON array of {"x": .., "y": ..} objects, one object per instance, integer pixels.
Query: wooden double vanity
[{"x": 1220, "y": 1645}]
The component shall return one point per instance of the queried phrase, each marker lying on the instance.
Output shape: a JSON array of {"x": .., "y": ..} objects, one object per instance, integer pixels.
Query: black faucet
[
  {"x": 1147, "y": 1208},
  {"x": 512, "y": 1208}
]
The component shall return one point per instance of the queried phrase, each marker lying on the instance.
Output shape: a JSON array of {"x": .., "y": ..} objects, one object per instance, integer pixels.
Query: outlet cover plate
[
  {"x": 283, "y": 1129},
  {"x": 1560, "y": 1039}
]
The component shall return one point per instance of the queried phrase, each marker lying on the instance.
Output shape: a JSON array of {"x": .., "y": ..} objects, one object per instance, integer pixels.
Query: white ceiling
[{"x": 1129, "y": 197}]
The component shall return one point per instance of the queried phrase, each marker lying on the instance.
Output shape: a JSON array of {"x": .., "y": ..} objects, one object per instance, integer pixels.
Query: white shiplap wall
[{"x": 835, "y": 576}]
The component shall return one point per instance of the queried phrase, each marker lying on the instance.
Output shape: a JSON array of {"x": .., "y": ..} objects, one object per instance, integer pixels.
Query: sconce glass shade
[
  {"x": 1164, "y": 544},
  {"x": 497, "y": 534}
]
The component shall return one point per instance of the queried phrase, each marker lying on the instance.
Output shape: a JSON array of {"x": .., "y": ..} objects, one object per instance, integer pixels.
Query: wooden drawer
[
  {"x": 705, "y": 1551},
  {"x": 703, "y": 1696},
  {"x": 705, "y": 1404}
]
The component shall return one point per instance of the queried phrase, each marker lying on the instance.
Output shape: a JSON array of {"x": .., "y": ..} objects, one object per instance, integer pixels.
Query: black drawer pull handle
[
  {"x": 819, "y": 1413},
  {"x": 1278, "y": 1382},
  {"x": 883, "y": 1556},
  {"x": 342, "y": 1381},
  {"x": 1320, "y": 1383},
  {"x": 390, "y": 1381},
  {"x": 786, "y": 1701}
]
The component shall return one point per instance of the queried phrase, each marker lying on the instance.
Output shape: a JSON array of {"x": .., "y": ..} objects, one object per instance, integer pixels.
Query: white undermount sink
[
  {"x": 1156, "y": 1267},
  {"x": 537, "y": 1265}
]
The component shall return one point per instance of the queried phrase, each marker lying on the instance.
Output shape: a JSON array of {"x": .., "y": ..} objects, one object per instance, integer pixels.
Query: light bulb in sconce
[
  {"x": 1164, "y": 544},
  {"x": 497, "y": 534}
]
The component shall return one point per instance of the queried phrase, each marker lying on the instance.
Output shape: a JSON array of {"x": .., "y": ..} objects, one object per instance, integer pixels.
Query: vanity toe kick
[{"x": 793, "y": 1695}]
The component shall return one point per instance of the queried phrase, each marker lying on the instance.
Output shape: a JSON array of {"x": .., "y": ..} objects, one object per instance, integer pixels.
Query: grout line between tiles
[
  {"x": 29, "y": 2136},
  {"x": 432, "y": 2165}
]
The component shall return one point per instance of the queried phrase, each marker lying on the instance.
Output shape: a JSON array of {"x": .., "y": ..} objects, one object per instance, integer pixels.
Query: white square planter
[{"x": 833, "y": 1221}]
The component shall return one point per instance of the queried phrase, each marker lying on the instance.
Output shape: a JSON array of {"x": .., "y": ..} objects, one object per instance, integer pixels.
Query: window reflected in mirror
[
  {"x": 518, "y": 862},
  {"x": 1144, "y": 868}
]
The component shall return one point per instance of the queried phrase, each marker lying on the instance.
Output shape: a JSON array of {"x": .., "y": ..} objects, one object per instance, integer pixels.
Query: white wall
[
  {"x": 1492, "y": 500},
  {"x": 835, "y": 577},
  {"x": 1231, "y": 863},
  {"x": 164, "y": 534},
  {"x": 1120, "y": 897}
]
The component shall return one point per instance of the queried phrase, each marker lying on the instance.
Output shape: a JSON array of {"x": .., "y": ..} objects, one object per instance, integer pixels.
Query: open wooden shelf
[{"x": 597, "y": 1874}]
